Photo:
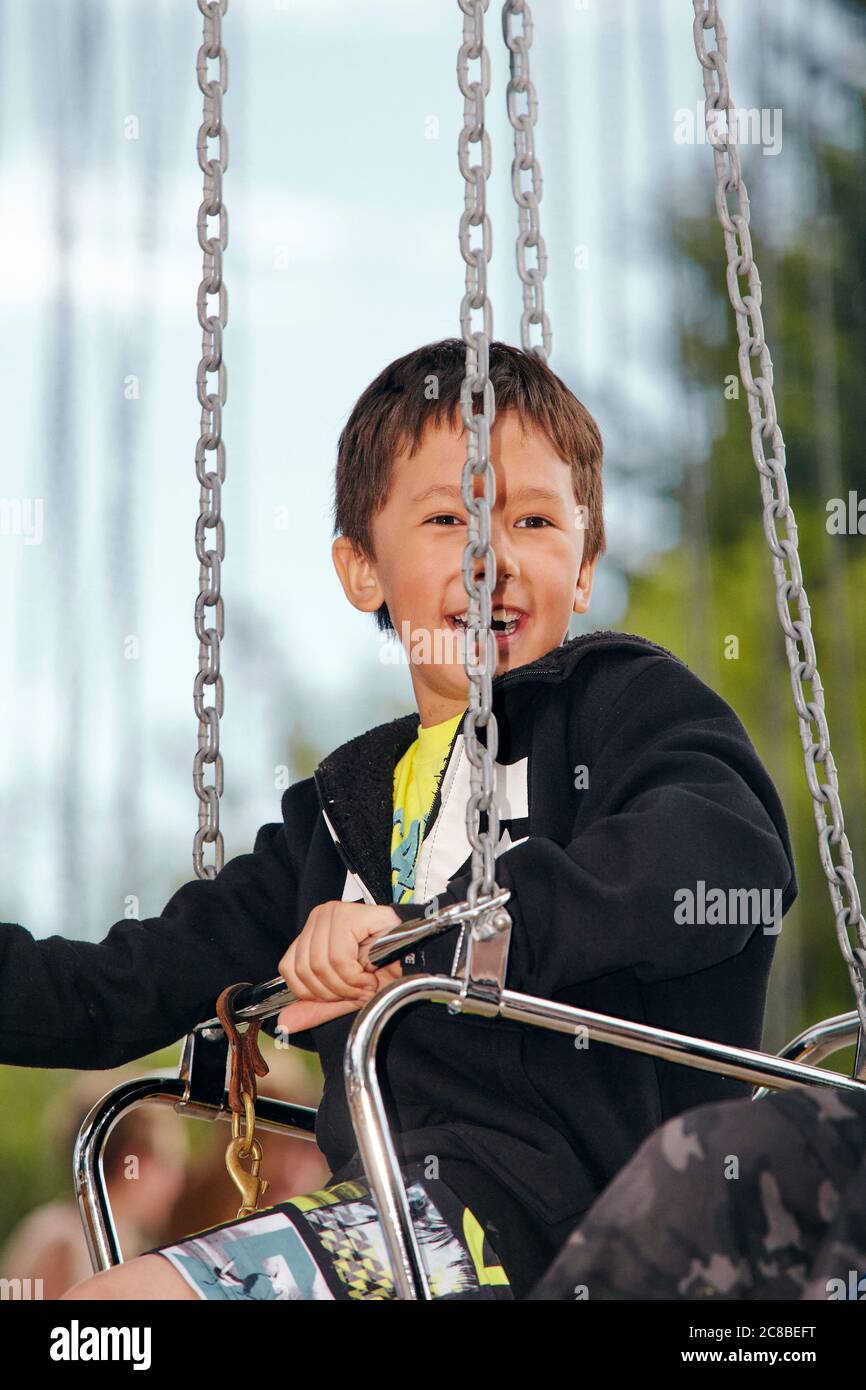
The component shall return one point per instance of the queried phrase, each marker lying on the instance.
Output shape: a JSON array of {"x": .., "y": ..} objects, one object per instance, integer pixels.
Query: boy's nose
[{"x": 507, "y": 565}]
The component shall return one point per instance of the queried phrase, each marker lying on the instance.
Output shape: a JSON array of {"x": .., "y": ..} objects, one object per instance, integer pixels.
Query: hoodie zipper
[{"x": 339, "y": 843}]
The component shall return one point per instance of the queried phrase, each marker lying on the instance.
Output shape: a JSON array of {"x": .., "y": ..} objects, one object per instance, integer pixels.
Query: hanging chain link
[
  {"x": 777, "y": 506},
  {"x": 480, "y": 642},
  {"x": 529, "y": 226},
  {"x": 210, "y": 438}
]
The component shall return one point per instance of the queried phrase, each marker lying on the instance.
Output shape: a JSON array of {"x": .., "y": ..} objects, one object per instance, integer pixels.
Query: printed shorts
[{"x": 330, "y": 1245}]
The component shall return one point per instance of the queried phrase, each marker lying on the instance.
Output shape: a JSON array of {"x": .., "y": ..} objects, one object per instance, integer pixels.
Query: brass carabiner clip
[
  {"x": 242, "y": 1146},
  {"x": 250, "y": 1185}
]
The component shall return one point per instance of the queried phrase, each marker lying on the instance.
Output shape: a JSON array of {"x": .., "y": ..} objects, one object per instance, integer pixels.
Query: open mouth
[{"x": 505, "y": 622}]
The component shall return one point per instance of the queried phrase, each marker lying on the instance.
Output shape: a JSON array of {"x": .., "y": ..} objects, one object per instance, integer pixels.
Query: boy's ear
[
  {"x": 357, "y": 575},
  {"x": 583, "y": 591}
]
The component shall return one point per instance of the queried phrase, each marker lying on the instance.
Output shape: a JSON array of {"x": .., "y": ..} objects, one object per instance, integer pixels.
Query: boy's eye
[{"x": 449, "y": 516}]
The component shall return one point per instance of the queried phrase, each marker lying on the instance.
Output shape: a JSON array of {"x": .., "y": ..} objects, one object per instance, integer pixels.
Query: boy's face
[{"x": 419, "y": 536}]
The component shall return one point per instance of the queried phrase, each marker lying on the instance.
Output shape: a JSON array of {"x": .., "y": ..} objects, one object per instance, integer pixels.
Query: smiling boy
[
  {"x": 406, "y": 567},
  {"x": 620, "y": 779}
]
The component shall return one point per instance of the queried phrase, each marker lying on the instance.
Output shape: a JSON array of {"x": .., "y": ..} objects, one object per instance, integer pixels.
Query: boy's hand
[{"x": 323, "y": 964}]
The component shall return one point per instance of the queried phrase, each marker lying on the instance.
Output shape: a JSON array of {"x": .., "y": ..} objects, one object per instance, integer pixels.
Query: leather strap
[{"x": 247, "y": 1060}]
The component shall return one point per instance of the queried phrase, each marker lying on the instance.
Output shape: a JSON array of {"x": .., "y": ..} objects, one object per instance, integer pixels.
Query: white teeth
[{"x": 510, "y": 616}]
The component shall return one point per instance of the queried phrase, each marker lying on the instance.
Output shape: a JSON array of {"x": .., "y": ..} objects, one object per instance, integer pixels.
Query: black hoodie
[{"x": 624, "y": 784}]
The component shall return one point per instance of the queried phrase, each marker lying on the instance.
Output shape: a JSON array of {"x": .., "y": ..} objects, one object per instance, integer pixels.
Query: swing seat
[
  {"x": 197, "y": 1090},
  {"x": 199, "y": 1087}
]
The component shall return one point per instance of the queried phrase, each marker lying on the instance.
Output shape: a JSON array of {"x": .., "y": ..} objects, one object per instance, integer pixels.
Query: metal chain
[
  {"x": 480, "y": 642},
  {"x": 529, "y": 227},
  {"x": 210, "y": 438},
  {"x": 777, "y": 506}
]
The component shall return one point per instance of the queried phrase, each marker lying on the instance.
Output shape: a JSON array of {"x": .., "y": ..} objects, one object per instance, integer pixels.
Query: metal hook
[{"x": 250, "y": 1185}]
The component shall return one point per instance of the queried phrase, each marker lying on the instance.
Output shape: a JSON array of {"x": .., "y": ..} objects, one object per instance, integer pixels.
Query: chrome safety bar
[
  {"x": 375, "y": 1143},
  {"x": 100, "y": 1233},
  {"x": 261, "y": 1001},
  {"x": 819, "y": 1041},
  {"x": 199, "y": 1088}
]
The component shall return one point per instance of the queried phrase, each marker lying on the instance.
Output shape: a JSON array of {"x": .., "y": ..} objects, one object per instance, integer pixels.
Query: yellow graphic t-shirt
[{"x": 416, "y": 778}]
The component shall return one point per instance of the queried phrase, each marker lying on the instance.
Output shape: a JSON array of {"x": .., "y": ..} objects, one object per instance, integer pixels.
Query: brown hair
[{"x": 395, "y": 410}]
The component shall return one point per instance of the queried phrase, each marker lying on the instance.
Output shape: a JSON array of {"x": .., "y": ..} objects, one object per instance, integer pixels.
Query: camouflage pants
[{"x": 743, "y": 1199}]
